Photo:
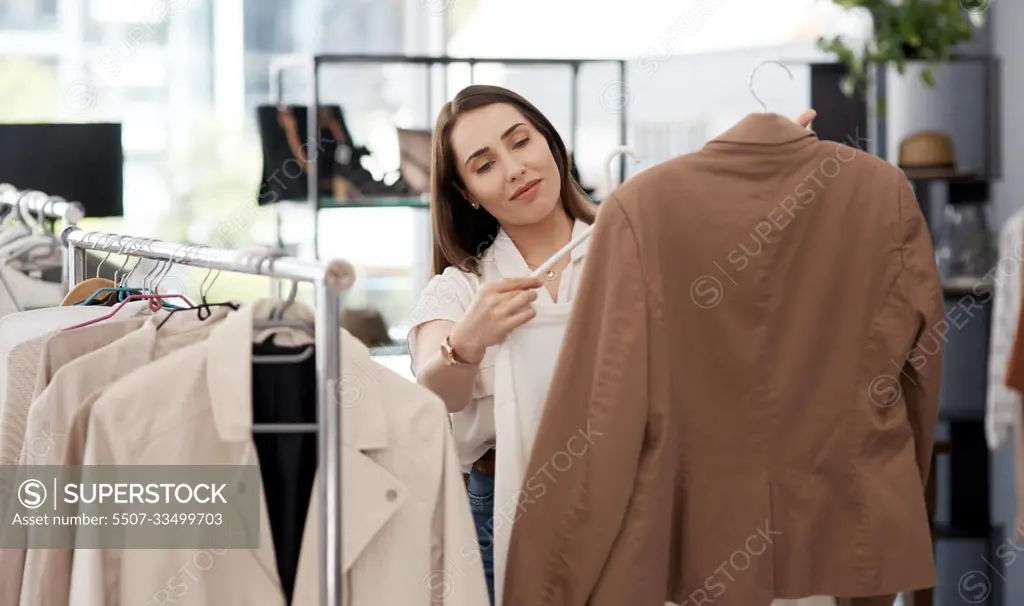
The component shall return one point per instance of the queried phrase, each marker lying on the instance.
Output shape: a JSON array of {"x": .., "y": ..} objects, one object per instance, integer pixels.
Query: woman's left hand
[{"x": 806, "y": 118}]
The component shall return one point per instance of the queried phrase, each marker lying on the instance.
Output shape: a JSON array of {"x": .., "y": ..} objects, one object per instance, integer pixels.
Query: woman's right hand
[{"x": 498, "y": 309}]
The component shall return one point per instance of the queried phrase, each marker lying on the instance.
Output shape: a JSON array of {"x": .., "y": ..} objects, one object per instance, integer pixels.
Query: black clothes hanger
[{"x": 203, "y": 309}]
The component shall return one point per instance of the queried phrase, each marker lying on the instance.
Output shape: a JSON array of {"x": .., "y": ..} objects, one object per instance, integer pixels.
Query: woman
[{"x": 502, "y": 202}]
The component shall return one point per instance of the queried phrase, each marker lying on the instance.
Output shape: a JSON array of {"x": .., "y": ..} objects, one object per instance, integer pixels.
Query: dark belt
[{"x": 486, "y": 463}]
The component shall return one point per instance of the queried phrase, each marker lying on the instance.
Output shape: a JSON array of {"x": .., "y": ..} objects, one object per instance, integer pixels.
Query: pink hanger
[{"x": 154, "y": 306}]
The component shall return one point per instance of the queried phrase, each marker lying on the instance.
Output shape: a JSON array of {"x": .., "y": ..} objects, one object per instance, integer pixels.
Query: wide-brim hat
[{"x": 929, "y": 155}]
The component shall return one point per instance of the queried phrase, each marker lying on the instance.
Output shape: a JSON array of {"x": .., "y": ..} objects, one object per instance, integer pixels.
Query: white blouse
[
  {"x": 1003, "y": 403},
  {"x": 448, "y": 296}
]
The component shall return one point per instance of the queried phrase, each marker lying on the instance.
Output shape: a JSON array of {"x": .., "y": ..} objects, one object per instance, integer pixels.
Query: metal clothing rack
[
  {"x": 44, "y": 206},
  {"x": 312, "y": 64},
  {"x": 330, "y": 279},
  {"x": 39, "y": 203}
]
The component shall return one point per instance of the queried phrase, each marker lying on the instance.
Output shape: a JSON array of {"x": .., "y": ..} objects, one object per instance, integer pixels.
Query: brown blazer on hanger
[{"x": 746, "y": 399}]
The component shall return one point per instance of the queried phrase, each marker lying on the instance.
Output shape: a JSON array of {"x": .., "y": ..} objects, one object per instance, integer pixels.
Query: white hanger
[
  {"x": 754, "y": 71},
  {"x": 546, "y": 266},
  {"x": 26, "y": 214},
  {"x": 13, "y": 226},
  {"x": 37, "y": 241}
]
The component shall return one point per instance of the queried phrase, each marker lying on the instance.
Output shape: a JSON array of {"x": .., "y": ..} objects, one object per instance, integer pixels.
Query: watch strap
[{"x": 451, "y": 357}]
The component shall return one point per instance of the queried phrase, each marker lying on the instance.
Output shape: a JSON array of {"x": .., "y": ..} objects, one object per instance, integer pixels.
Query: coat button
[{"x": 391, "y": 494}]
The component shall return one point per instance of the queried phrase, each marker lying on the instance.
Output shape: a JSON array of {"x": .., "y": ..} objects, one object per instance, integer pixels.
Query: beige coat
[
  {"x": 47, "y": 572},
  {"x": 746, "y": 399},
  {"x": 30, "y": 366},
  {"x": 408, "y": 536}
]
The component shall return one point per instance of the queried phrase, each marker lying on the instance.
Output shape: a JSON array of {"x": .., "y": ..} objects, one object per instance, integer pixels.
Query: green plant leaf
[
  {"x": 848, "y": 84},
  {"x": 928, "y": 76},
  {"x": 903, "y": 30}
]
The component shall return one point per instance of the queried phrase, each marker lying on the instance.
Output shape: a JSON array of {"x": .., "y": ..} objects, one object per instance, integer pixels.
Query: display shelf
[
  {"x": 966, "y": 286},
  {"x": 961, "y": 177},
  {"x": 964, "y": 533},
  {"x": 390, "y": 202},
  {"x": 326, "y": 203},
  {"x": 398, "y": 348},
  {"x": 852, "y": 120},
  {"x": 313, "y": 64}
]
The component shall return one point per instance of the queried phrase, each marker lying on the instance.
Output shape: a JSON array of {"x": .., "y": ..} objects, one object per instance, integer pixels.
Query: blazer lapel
[
  {"x": 371, "y": 495},
  {"x": 229, "y": 383},
  {"x": 373, "y": 498},
  {"x": 257, "y": 531},
  {"x": 370, "y": 498}
]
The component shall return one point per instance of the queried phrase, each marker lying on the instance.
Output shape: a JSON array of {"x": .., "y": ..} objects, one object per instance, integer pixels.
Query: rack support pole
[
  {"x": 329, "y": 404},
  {"x": 74, "y": 265}
]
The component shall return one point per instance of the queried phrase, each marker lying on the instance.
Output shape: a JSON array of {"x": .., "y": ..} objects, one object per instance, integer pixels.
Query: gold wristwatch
[{"x": 448, "y": 352}]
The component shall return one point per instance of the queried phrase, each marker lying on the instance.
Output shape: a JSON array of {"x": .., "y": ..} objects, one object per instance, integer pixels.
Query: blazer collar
[
  {"x": 229, "y": 376},
  {"x": 509, "y": 261},
  {"x": 156, "y": 336},
  {"x": 764, "y": 129}
]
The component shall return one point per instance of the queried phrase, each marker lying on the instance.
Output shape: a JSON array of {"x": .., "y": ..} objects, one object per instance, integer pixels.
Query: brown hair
[{"x": 462, "y": 233}]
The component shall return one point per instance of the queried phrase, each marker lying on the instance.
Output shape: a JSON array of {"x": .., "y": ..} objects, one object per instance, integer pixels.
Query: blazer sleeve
[
  {"x": 584, "y": 463},
  {"x": 95, "y": 572},
  {"x": 922, "y": 289}
]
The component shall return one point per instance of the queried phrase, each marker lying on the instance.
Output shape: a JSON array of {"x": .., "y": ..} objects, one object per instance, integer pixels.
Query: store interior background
[{"x": 184, "y": 78}]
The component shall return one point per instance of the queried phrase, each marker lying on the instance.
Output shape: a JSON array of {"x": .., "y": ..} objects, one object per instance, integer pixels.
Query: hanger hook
[
  {"x": 47, "y": 203},
  {"x": 269, "y": 257},
  {"x": 160, "y": 277},
  {"x": 204, "y": 289},
  {"x": 27, "y": 217},
  {"x": 54, "y": 200},
  {"x": 158, "y": 266},
  {"x": 136, "y": 245},
  {"x": 279, "y": 315},
  {"x": 108, "y": 239},
  {"x": 764, "y": 107},
  {"x": 126, "y": 241},
  {"x": 19, "y": 205},
  {"x": 186, "y": 251},
  {"x": 8, "y": 195},
  {"x": 131, "y": 272},
  {"x": 87, "y": 238},
  {"x": 615, "y": 153}
]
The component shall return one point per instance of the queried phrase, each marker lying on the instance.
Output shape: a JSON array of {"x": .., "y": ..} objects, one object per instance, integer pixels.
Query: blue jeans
[{"x": 481, "y": 503}]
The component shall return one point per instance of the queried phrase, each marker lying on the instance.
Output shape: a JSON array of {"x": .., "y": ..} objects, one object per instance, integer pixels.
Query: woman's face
[{"x": 506, "y": 165}]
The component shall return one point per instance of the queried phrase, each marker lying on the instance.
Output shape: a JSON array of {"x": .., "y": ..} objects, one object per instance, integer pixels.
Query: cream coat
[
  {"x": 47, "y": 572},
  {"x": 24, "y": 342},
  {"x": 407, "y": 520}
]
